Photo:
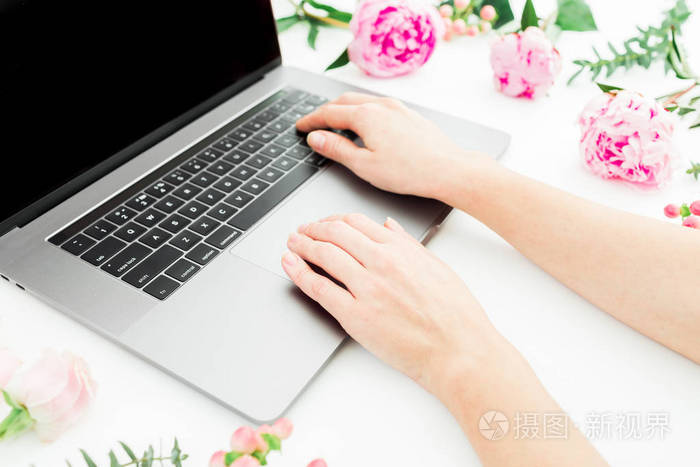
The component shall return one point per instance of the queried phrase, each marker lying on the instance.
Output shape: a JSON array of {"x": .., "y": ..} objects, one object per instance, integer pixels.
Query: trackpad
[{"x": 335, "y": 191}]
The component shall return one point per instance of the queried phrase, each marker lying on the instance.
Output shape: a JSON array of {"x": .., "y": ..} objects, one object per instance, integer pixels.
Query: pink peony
[
  {"x": 317, "y": 463},
  {"x": 244, "y": 440},
  {"x": 282, "y": 428},
  {"x": 694, "y": 209},
  {"x": 218, "y": 459},
  {"x": 9, "y": 363},
  {"x": 626, "y": 136},
  {"x": 524, "y": 64},
  {"x": 692, "y": 221},
  {"x": 56, "y": 391},
  {"x": 393, "y": 37},
  {"x": 672, "y": 211},
  {"x": 246, "y": 461}
]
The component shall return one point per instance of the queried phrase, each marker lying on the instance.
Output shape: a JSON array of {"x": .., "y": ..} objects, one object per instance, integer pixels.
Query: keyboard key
[
  {"x": 254, "y": 125},
  {"x": 295, "y": 95},
  {"x": 150, "y": 217},
  {"x": 204, "y": 226},
  {"x": 121, "y": 215},
  {"x": 258, "y": 161},
  {"x": 155, "y": 238},
  {"x": 223, "y": 237},
  {"x": 78, "y": 244},
  {"x": 182, "y": 270},
  {"x": 304, "y": 108},
  {"x": 193, "y": 209},
  {"x": 225, "y": 144},
  {"x": 152, "y": 266},
  {"x": 222, "y": 211},
  {"x": 271, "y": 197},
  {"x": 220, "y": 168},
  {"x": 236, "y": 157},
  {"x": 204, "y": 179},
  {"x": 242, "y": 172},
  {"x": 141, "y": 202},
  {"x": 211, "y": 197},
  {"x": 265, "y": 136},
  {"x": 316, "y": 159},
  {"x": 279, "y": 125},
  {"x": 255, "y": 187},
  {"x": 240, "y": 134},
  {"x": 272, "y": 150},
  {"x": 187, "y": 191},
  {"x": 100, "y": 229},
  {"x": 270, "y": 175},
  {"x": 315, "y": 100},
  {"x": 202, "y": 254},
  {"x": 104, "y": 250},
  {"x": 126, "y": 260},
  {"x": 286, "y": 140},
  {"x": 194, "y": 165},
  {"x": 159, "y": 189},
  {"x": 284, "y": 163},
  {"x": 177, "y": 177},
  {"x": 174, "y": 223},
  {"x": 280, "y": 107},
  {"x": 293, "y": 115},
  {"x": 239, "y": 199},
  {"x": 267, "y": 115},
  {"x": 186, "y": 240},
  {"x": 169, "y": 204},
  {"x": 227, "y": 185},
  {"x": 130, "y": 232},
  {"x": 161, "y": 287},
  {"x": 298, "y": 152},
  {"x": 250, "y": 146},
  {"x": 210, "y": 154}
]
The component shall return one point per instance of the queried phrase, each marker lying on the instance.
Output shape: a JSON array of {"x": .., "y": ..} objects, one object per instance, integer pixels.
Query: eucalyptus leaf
[
  {"x": 113, "y": 462},
  {"x": 685, "y": 110},
  {"x": 128, "y": 451},
  {"x": 342, "y": 60},
  {"x": 503, "y": 11},
  {"x": 575, "y": 15},
  {"x": 313, "y": 34},
  {"x": 88, "y": 459},
  {"x": 529, "y": 17},
  {"x": 287, "y": 22},
  {"x": 694, "y": 100}
]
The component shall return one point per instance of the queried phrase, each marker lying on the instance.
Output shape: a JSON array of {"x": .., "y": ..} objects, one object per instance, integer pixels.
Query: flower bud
[
  {"x": 672, "y": 211},
  {"x": 692, "y": 221},
  {"x": 282, "y": 428},
  {"x": 461, "y": 4},
  {"x": 488, "y": 13},
  {"x": 446, "y": 11},
  {"x": 695, "y": 207},
  {"x": 459, "y": 27},
  {"x": 244, "y": 440}
]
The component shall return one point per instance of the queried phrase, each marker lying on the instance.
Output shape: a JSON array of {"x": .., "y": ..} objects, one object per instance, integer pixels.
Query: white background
[{"x": 361, "y": 412}]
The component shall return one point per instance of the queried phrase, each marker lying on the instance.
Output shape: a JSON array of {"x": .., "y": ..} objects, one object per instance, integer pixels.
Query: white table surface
[{"x": 361, "y": 412}]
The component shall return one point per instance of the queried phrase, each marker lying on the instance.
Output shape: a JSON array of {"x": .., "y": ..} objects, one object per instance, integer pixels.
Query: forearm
[{"x": 642, "y": 271}]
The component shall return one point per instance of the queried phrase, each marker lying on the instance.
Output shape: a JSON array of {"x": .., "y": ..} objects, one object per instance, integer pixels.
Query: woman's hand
[
  {"x": 401, "y": 303},
  {"x": 404, "y": 153}
]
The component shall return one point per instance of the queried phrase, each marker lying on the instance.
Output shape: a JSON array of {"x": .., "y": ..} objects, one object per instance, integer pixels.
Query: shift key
[
  {"x": 151, "y": 267},
  {"x": 126, "y": 260}
]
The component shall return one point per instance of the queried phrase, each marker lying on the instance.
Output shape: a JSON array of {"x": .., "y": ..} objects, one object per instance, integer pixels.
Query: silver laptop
[{"x": 151, "y": 175}]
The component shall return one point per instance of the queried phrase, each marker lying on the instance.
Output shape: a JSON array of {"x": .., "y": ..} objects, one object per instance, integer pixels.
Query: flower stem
[
  {"x": 327, "y": 20},
  {"x": 672, "y": 99}
]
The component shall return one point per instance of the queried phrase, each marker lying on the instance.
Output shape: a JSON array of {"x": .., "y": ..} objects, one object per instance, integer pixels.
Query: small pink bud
[
  {"x": 246, "y": 461},
  {"x": 488, "y": 12},
  {"x": 461, "y": 4},
  {"x": 692, "y": 221},
  {"x": 695, "y": 207},
  {"x": 446, "y": 11},
  {"x": 261, "y": 443},
  {"x": 244, "y": 440},
  {"x": 459, "y": 26},
  {"x": 317, "y": 463},
  {"x": 448, "y": 29},
  {"x": 485, "y": 26},
  {"x": 282, "y": 428},
  {"x": 218, "y": 459},
  {"x": 672, "y": 211},
  {"x": 472, "y": 30}
]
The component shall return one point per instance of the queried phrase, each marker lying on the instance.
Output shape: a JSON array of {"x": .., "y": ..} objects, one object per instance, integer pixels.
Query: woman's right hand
[{"x": 404, "y": 152}]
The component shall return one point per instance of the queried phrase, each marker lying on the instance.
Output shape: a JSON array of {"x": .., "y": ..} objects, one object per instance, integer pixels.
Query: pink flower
[
  {"x": 282, "y": 428},
  {"x": 524, "y": 64},
  {"x": 393, "y": 37},
  {"x": 461, "y": 4},
  {"x": 692, "y": 221},
  {"x": 218, "y": 459},
  {"x": 244, "y": 440},
  {"x": 446, "y": 11},
  {"x": 9, "y": 362},
  {"x": 471, "y": 30},
  {"x": 459, "y": 26},
  {"x": 317, "y": 463},
  {"x": 625, "y": 136},
  {"x": 56, "y": 391},
  {"x": 488, "y": 12},
  {"x": 672, "y": 211},
  {"x": 246, "y": 461},
  {"x": 694, "y": 208}
]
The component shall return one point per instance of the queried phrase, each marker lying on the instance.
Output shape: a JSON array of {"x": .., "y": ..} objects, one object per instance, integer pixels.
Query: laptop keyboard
[{"x": 159, "y": 232}]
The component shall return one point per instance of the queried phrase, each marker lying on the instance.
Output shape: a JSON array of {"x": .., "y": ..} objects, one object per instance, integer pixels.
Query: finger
[
  {"x": 335, "y": 261},
  {"x": 391, "y": 224},
  {"x": 322, "y": 290},
  {"x": 339, "y": 117},
  {"x": 364, "y": 224},
  {"x": 339, "y": 233},
  {"x": 336, "y": 147},
  {"x": 355, "y": 98}
]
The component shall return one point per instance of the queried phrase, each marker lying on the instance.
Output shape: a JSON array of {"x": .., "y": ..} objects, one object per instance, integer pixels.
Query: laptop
[{"x": 152, "y": 173}]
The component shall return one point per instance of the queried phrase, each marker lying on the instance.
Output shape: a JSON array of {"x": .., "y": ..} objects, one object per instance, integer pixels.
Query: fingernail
[
  {"x": 289, "y": 258},
  {"x": 316, "y": 139},
  {"x": 293, "y": 237},
  {"x": 302, "y": 228}
]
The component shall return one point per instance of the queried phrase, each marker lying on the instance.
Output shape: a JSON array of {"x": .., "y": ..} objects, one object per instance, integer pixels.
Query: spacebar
[{"x": 269, "y": 199}]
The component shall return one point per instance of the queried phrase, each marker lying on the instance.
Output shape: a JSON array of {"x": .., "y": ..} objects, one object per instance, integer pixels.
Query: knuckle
[
  {"x": 335, "y": 228},
  {"x": 319, "y": 288}
]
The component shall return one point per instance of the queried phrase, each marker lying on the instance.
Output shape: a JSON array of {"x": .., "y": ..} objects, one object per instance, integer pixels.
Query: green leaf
[
  {"x": 147, "y": 459},
  {"x": 342, "y": 60},
  {"x": 313, "y": 34},
  {"x": 113, "y": 462},
  {"x": 175, "y": 454},
  {"x": 287, "y": 22},
  {"x": 685, "y": 211},
  {"x": 260, "y": 457},
  {"x": 10, "y": 401},
  {"x": 273, "y": 442},
  {"x": 694, "y": 100},
  {"x": 231, "y": 456},
  {"x": 694, "y": 169},
  {"x": 695, "y": 124},
  {"x": 128, "y": 451},
  {"x": 685, "y": 110},
  {"x": 88, "y": 459},
  {"x": 575, "y": 15},
  {"x": 529, "y": 17},
  {"x": 334, "y": 13},
  {"x": 503, "y": 11},
  {"x": 608, "y": 87}
]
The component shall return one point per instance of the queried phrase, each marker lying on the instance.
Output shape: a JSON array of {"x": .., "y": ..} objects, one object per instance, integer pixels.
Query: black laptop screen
[{"x": 81, "y": 80}]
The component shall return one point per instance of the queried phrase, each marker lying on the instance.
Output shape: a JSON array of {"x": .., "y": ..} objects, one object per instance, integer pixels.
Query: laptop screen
[{"x": 81, "y": 81}]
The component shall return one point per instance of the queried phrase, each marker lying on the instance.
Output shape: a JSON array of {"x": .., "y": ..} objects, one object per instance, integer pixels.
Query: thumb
[{"x": 335, "y": 147}]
